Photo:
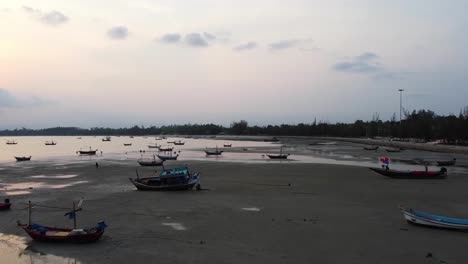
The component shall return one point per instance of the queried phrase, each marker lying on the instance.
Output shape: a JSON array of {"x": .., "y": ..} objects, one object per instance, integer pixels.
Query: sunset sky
[{"x": 120, "y": 62}]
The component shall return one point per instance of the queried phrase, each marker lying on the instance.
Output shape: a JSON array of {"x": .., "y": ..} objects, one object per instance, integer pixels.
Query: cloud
[
  {"x": 195, "y": 40},
  {"x": 246, "y": 46},
  {"x": 118, "y": 33},
  {"x": 8, "y": 100},
  {"x": 366, "y": 63},
  {"x": 171, "y": 38},
  {"x": 52, "y": 18},
  {"x": 287, "y": 43}
]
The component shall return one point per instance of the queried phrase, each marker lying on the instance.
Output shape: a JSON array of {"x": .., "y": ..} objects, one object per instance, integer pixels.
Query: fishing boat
[
  {"x": 87, "y": 152},
  {"x": 447, "y": 162},
  {"x": 399, "y": 174},
  {"x": 169, "y": 180},
  {"x": 11, "y": 142},
  {"x": 63, "y": 235},
  {"x": 150, "y": 163},
  {"x": 170, "y": 142},
  {"x": 161, "y": 148},
  {"x": 278, "y": 156},
  {"x": 432, "y": 220},
  {"x": 227, "y": 145},
  {"x": 106, "y": 139},
  {"x": 23, "y": 158},
  {"x": 157, "y": 138},
  {"x": 371, "y": 148},
  {"x": 213, "y": 152},
  {"x": 392, "y": 149},
  {"x": 127, "y": 144},
  {"x": 5, "y": 205},
  {"x": 167, "y": 157},
  {"x": 154, "y": 146},
  {"x": 50, "y": 143},
  {"x": 179, "y": 143}
]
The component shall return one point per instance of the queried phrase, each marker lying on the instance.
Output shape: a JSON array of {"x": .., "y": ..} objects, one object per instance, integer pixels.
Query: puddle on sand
[
  {"x": 14, "y": 249},
  {"x": 176, "y": 226},
  {"x": 68, "y": 176},
  {"x": 17, "y": 192},
  {"x": 252, "y": 209},
  {"x": 24, "y": 186}
]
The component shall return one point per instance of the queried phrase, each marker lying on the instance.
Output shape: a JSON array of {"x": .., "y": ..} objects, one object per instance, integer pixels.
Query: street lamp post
[{"x": 401, "y": 92}]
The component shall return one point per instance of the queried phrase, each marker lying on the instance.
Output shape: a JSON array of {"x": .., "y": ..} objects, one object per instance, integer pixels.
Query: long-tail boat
[
  {"x": 432, "y": 220},
  {"x": 399, "y": 174},
  {"x": 174, "y": 179},
  {"x": 23, "y": 158},
  {"x": 63, "y": 235}
]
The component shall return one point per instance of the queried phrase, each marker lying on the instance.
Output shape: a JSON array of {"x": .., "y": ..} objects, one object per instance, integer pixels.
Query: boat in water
[
  {"x": 227, "y": 145},
  {"x": 63, "y": 235},
  {"x": 106, "y": 139},
  {"x": 150, "y": 162},
  {"x": 161, "y": 148},
  {"x": 5, "y": 205},
  {"x": 127, "y": 144},
  {"x": 447, "y": 162},
  {"x": 399, "y": 174},
  {"x": 213, "y": 152},
  {"x": 179, "y": 143},
  {"x": 174, "y": 179},
  {"x": 23, "y": 158},
  {"x": 87, "y": 152},
  {"x": 432, "y": 220},
  {"x": 11, "y": 142},
  {"x": 50, "y": 143}
]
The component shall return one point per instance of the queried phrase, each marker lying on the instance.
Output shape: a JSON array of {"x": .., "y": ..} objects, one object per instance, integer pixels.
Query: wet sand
[{"x": 252, "y": 213}]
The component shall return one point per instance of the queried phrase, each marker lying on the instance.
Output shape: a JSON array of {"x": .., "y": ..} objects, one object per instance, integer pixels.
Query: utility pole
[{"x": 401, "y": 107}]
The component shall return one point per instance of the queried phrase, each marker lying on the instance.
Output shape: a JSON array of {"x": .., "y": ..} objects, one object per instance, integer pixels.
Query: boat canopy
[{"x": 175, "y": 171}]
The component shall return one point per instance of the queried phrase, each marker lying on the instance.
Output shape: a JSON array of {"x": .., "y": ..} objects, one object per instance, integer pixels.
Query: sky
[{"x": 118, "y": 63}]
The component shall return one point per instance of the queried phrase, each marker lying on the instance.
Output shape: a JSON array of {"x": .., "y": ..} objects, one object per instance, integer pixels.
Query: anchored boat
[
  {"x": 447, "y": 162},
  {"x": 23, "y": 158},
  {"x": 150, "y": 163},
  {"x": 399, "y": 174},
  {"x": 174, "y": 179},
  {"x": 432, "y": 220}
]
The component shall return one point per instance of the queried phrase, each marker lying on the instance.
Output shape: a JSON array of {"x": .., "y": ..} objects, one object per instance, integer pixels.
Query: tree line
[{"x": 422, "y": 124}]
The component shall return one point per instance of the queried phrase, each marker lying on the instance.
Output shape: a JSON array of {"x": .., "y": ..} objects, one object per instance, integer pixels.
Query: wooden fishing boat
[
  {"x": 213, "y": 152},
  {"x": 441, "y": 174},
  {"x": 127, "y": 144},
  {"x": 87, "y": 152},
  {"x": 63, "y": 235},
  {"x": 23, "y": 158},
  {"x": 11, "y": 142},
  {"x": 150, "y": 163},
  {"x": 278, "y": 156},
  {"x": 174, "y": 179},
  {"x": 167, "y": 157},
  {"x": 371, "y": 148},
  {"x": 447, "y": 162},
  {"x": 392, "y": 149},
  {"x": 165, "y": 148},
  {"x": 154, "y": 146},
  {"x": 179, "y": 143},
  {"x": 432, "y": 220},
  {"x": 5, "y": 205},
  {"x": 227, "y": 145}
]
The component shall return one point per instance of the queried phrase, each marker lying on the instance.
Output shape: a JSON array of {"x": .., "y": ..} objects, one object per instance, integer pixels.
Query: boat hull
[
  {"x": 213, "y": 153},
  {"x": 164, "y": 158},
  {"x": 78, "y": 238},
  {"x": 176, "y": 187},
  {"x": 150, "y": 163},
  {"x": 5, "y": 206},
  {"x": 432, "y": 221},
  {"x": 87, "y": 152},
  {"x": 280, "y": 156},
  {"x": 23, "y": 158},
  {"x": 442, "y": 174}
]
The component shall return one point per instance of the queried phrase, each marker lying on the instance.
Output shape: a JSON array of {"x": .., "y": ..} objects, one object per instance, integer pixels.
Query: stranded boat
[
  {"x": 432, "y": 220},
  {"x": 50, "y": 143},
  {"x": 161, "y": 148},
  {"x": 371, "y": 148},
  {"x": 441, "y": 174},
  {"x": 150, "y": 163},
  {"x": 87, "y": 152},
  {"x": 63, "y": 235},
  {"x": 213, "y": 152},
  {"x": 167, "y": 157},
  {"x": 447, "y": 162},
  {"x": 278, "y": 156},
  {"x": 174, "y": 179},
  {"x": 11, "y": 142},
  {"x": 23, "y": 158},
  {"x": 127, "y": 144},
  {"x": 179, "y": 143}
]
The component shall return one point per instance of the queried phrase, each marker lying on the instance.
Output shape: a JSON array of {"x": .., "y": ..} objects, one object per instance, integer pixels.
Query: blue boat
[
  {"x": 433, "y": 220},
  {"x": 174, "y": 179}
]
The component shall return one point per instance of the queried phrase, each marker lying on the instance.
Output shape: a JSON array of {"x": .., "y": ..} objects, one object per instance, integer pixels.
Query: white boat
[{"x": 428, "y": 219}]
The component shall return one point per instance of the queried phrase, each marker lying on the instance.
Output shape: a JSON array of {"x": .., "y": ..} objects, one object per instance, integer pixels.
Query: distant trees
[{"x": 421, "y": 124}]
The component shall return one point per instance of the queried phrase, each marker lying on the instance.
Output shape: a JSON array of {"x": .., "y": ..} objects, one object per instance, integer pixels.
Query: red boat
[
  {"x": 442, "y": 174},
  {"x": 6, "y": 205},
  {"x": 53, "y": 234}
]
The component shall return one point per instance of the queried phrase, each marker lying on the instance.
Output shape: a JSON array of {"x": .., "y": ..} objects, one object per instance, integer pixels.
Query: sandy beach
[{"x": 249, "y": 213}]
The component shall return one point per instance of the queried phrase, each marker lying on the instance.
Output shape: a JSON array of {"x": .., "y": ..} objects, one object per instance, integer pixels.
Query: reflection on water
[{"x": 14, "y": 249}]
